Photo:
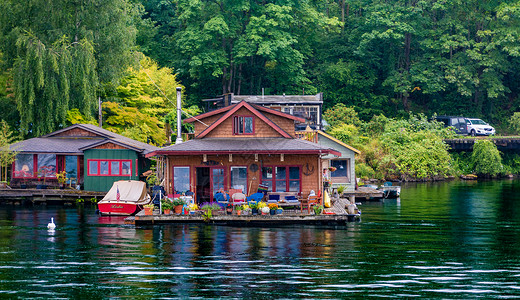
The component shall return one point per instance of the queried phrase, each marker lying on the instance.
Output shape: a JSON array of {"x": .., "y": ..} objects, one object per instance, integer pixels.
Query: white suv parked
[{"x": 479, "y": 127}]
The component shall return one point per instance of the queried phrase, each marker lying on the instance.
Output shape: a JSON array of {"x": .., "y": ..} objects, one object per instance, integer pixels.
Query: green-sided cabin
[{"x": 91, "y": 157}]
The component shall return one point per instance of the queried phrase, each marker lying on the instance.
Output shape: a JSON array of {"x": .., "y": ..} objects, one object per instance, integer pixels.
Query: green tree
[{"x": 60, "y": 51}]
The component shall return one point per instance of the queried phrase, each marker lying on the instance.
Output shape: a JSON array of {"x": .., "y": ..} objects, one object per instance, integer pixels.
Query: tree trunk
[{"x": 239, "y": 79}]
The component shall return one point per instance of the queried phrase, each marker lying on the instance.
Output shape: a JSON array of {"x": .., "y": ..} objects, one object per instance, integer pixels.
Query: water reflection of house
[
  {"x": 91, "y": 156},
  {"x": 307, "y": 107},
  {"x": 240, "y": 146}
]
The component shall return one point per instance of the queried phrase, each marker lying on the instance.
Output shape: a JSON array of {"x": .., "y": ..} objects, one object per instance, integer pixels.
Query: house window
[
  {"x": 181, "y": 179},
  {"x": 243, "y": 125},
  {"x": 310, "y": 113},
  {"x": 342, "y": 167},
  {"x": 282, "y": 178},
  {"x": 71, "y": 167},
  {"x": 239, "y": 178},
  {"x": 112, "y": 167},
  {"x": 46, "y": 165},
  {"x": 24, "y": 165}
]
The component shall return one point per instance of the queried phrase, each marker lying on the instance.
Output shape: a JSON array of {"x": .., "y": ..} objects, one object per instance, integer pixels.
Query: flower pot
[
  {"x": 229, "y": 211},
  {"x": 254, "y": 211},
  {"x": 239, "y": 212},
  {"x": 178, "y": 209},
  {"x": 148, "y": 211},
  {"x": 272, "y": 212},
  {"x": 279, "y": 211},
  {"x": 167, "y": 211},
  {"x": 41, "y": 186}
]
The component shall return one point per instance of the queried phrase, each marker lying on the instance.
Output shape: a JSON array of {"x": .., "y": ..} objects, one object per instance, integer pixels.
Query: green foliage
[
  {"x": 511, "y": 162},
  {"x": 514, "y": 123},
  {"x": 146, "y": 103},
  {"x": 486, "y": 159},
  {"x": 340, "y": 114},
  {"x": 59, "y": 51},
  {"x": 346, "y": 133},
  {"x": 74, "y": 116},
  {"x": 7, "y": 155},
  {"x": 364, "y": 171}
]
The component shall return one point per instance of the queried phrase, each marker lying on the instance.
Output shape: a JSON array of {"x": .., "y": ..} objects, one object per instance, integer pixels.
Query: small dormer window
[{"x": 243, "y": 125}]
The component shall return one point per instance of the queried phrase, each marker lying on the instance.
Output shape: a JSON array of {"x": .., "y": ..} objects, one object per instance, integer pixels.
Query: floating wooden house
[
  {"x": 241, "y": 146},
  {"x": 92, "y": 158}
]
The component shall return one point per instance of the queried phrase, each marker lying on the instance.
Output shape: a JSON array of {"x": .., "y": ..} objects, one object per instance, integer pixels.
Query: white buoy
[{"x": 51, "y": 225}]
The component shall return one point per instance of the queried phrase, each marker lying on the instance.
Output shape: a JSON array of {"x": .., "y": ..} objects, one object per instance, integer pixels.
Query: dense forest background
[{"x": 57, "y": 58}]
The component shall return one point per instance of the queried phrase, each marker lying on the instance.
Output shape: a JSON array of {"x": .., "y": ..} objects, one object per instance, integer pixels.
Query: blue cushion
[
  {"x": 289, "y": 198},
  {"x": 274, "y": 197}
]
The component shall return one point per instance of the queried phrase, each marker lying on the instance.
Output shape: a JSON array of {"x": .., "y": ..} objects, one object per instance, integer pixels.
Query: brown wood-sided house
[{"x": 239, "y": 147}]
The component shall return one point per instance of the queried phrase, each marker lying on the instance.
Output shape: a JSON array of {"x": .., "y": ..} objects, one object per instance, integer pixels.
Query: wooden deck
[
  {"x": 288, "y": 218},
  {"x": 47, "y": 195}
]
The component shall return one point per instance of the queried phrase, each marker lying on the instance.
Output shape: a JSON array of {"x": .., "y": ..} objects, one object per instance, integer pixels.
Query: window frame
[
  {"x": 245, "y": 190},
  {"x": 173, "y": 177},
  {"x": 287, "y": 179},
  {"x": 35, "y": 166},
  {"x": 347, "y": 168},
  {"x": 236, "y": 125},
  {"x": 109, "y": 162}
]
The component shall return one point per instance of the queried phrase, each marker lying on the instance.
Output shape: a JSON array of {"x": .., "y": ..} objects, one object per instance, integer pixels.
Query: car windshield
[{"x": 477, "y": 122}]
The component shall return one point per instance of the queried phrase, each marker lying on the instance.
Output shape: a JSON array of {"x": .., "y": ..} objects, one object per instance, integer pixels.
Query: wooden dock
[
  {"x": 364, "y": 194},
  {"x": 21, "y": 196},
  {"x": 288, "y": 218}
]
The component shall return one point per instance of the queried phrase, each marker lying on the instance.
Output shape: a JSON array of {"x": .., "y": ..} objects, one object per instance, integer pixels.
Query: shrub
[
  {"x": 341, "y": 114},
  {"x": 514, "y": 123},
  {"x": 486, "y": 159}
]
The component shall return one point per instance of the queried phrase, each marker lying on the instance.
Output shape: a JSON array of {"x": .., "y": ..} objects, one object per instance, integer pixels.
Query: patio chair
[
  {"x": 255, "y": 198},
  {"x": 310, "y": 201},
  {"x": 238, "y": 198}
]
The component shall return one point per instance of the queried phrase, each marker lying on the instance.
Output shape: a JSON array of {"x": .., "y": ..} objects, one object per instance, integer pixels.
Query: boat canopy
[{"x": 129, "y": 190}]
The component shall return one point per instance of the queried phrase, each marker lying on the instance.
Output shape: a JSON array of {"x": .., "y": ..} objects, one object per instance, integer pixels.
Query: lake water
[{"x": 441, "y": 240}]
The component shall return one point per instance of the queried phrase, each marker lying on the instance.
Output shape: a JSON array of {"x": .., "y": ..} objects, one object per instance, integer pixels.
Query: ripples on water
[{"x": 447, "y": 240}]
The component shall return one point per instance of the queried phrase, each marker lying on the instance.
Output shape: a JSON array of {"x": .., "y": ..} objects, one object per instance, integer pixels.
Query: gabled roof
[
  {"x": 338, "y": 141},
  {"x": 235, "y": 108},
  {"x": 52, "y": 143},
  {"x": 244, "y": 146}
]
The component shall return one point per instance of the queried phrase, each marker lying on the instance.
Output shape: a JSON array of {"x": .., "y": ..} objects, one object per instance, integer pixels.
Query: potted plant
[
  {"x": 272, "y": 208},
  {"x": 239, "y": 209},
  {"x": 148, "y": 209},
  {"x": 318, "y": 209},
  {"x": 193, "y": 208},
  {"x": 177, "y": 205},
  {"x": 341, "y": 189},
  {"x": 166, "y": 207},
  {"x": 245, "y": 209},
  {"x": 254, "y": 208},
  {"x": 62, "y": 178},
  {"x": 265, "y": 210},
  {"x": 262, "y": 207},
  {"x": 208, "y": 209},
  {"x": 229, "y": 209}
]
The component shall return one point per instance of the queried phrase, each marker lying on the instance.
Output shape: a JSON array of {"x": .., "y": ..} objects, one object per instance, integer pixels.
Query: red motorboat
[{"x": 126, "y": 197}]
